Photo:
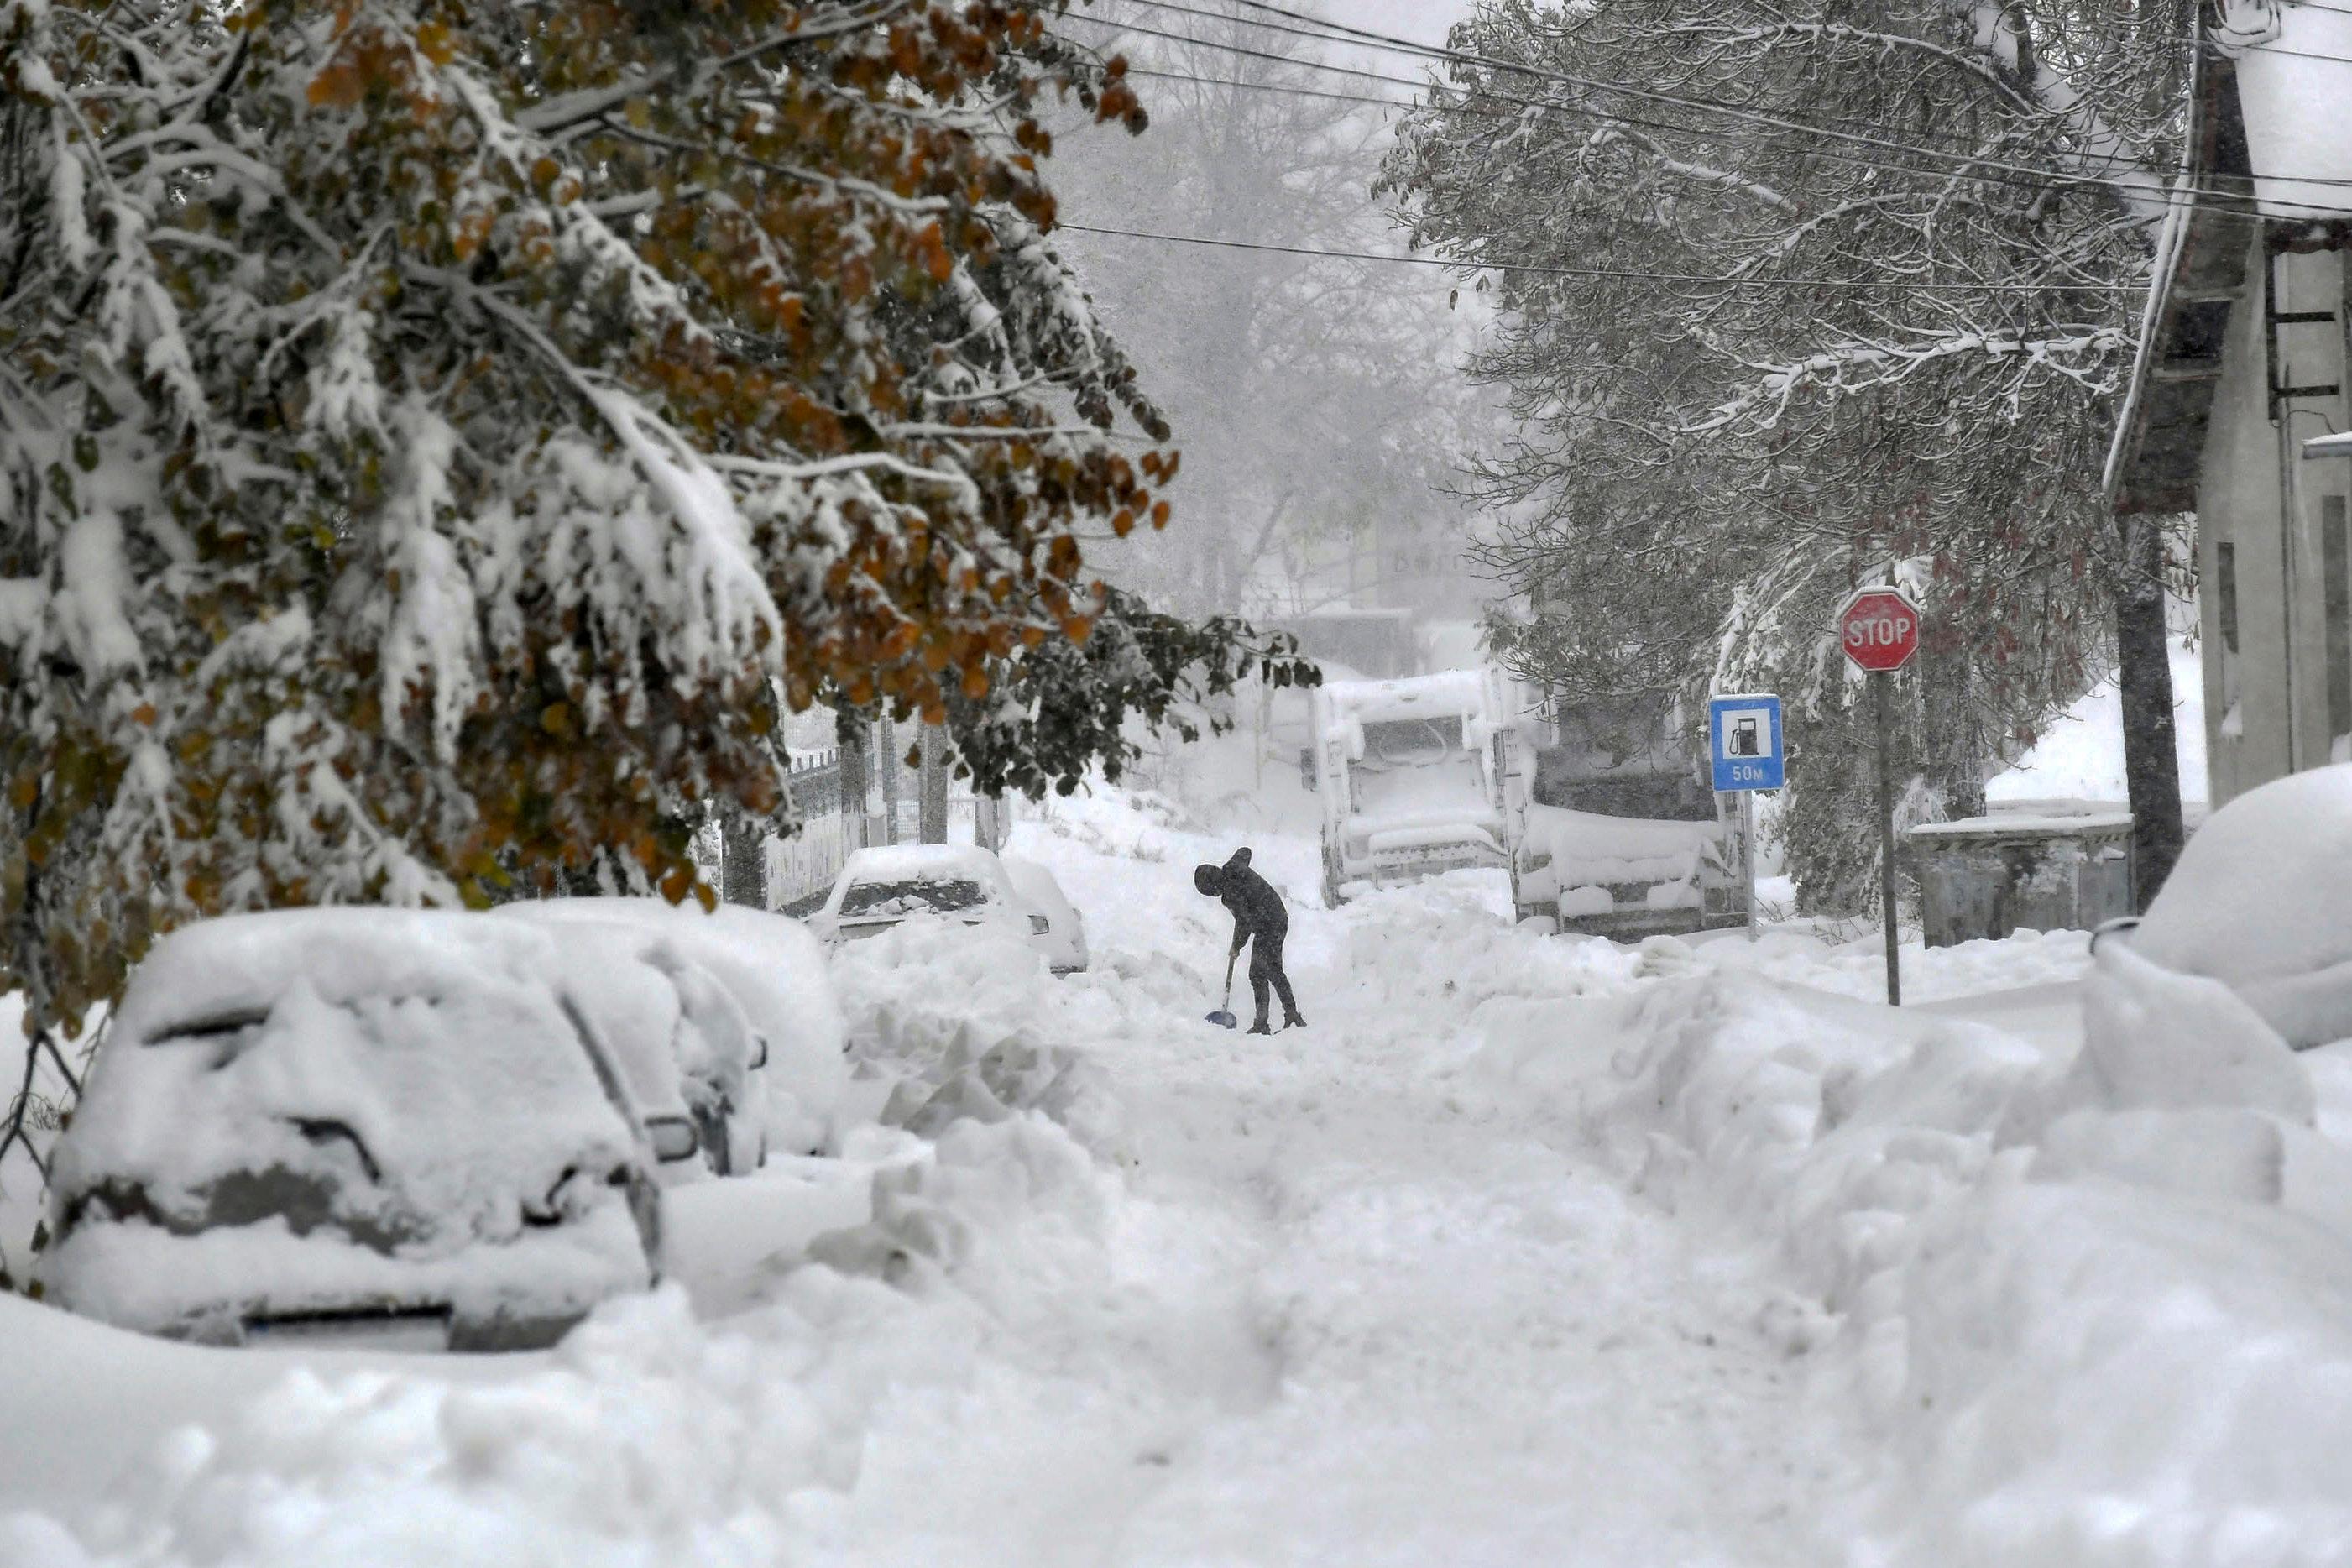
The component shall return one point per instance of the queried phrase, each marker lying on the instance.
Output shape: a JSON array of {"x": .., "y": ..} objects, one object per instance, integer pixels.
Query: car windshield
[{"x": 911, "y": 896}]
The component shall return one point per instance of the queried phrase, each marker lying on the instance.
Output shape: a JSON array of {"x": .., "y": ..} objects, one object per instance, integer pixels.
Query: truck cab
[
  {"x": 1623, "y": 836},
  {"x": 1418, "y": 776}
]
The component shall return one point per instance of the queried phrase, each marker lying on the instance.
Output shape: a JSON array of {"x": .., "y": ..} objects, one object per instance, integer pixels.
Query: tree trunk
[
  {"x": 2151, "y": 765},
  {"x": 743, "y": 863},
  {"x": 934, "y": 797}
]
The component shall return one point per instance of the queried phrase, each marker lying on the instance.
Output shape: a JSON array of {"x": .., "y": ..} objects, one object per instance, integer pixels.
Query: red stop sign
[{"x": 1878, "y": 628}]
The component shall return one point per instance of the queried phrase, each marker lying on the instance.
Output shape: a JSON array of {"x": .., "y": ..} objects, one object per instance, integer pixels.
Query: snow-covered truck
[
  {"x": 1622, "y": 836},
  {"x": 1418, "y": 776}
]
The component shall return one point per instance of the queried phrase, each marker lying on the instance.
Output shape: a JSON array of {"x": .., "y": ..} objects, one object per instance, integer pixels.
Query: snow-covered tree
[
  {"x": 428, "y": 430},
  {"x": 1826, "y": 297}
]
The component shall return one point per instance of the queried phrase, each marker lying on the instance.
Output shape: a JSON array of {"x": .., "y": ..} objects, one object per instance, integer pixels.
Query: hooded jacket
[{"x": 1257, "y": 910}]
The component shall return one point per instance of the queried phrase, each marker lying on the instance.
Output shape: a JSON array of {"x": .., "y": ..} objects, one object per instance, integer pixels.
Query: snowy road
[
  {"x": 1450, "y": 1335},
  {"x": 1484, "y": 1352},
  {"x": 1526, "y": 1252}
]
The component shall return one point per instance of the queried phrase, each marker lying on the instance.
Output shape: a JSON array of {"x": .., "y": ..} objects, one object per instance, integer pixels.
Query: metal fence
[
  {"x": 805, "y": 864},
  {"x": 841, "y": 811}
]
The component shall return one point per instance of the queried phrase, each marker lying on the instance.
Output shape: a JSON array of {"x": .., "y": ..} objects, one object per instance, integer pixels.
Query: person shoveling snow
[{"x": 1259, "y": 918}]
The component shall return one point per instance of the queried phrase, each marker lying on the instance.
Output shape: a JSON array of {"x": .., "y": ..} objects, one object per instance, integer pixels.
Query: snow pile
[
  {"x": 952, "y": 1012},
  {"x": 2095, "y": 1311},
  {"x": 643, "y": 1439},
  {"x": 2261, "y": 899},
  {"x": 2081, "y": 753}
]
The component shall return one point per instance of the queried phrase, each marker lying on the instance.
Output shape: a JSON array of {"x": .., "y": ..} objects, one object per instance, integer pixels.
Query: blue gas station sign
[{"x": 1745, "y": 741}]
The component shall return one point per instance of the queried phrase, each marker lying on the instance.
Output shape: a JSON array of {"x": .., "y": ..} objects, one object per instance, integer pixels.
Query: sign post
[
  {"x": 1879, "y": 629},
  {"x": 1749, "y": 750}
]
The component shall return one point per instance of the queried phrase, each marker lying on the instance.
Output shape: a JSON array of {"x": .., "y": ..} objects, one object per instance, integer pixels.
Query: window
[
  {"x": 893, "y": 901},
  {"x": 2335, "y": 590},
  {"x": 2225, "y": 568}
]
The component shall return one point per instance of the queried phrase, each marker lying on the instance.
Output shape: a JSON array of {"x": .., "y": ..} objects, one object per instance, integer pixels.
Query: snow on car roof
[
  {"x": 242, "y": 961},
  {"x": 607, "y": 968},
  {"x": 772, "y": 965},
  {"x": 909, "y": 861}
]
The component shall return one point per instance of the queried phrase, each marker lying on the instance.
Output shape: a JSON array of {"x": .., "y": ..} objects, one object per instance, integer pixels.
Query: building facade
[{"x": 2242, "y": 367}]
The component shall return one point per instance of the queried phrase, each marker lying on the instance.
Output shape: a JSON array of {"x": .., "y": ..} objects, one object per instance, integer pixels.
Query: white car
[
  {"x": 682, "y": 1043},
  {"x": 774, "y": 971},
  {"x": 378, "y": 1126},
  {"x": 879, "y": 888},
  {"x": 1064, "y": 940}
]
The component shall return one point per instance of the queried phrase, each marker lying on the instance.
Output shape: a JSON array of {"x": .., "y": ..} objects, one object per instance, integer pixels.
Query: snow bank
[
  {"x": 2094, "y": 1311},
  {"x": 951, "y": 1012},
  {"x": 2081, "y": 754}
]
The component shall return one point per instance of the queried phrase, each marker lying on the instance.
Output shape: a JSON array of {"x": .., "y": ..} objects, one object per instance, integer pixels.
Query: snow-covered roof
[
  {"x": 2269, "y": 110},
  {"x": 2295, "y": 88}
]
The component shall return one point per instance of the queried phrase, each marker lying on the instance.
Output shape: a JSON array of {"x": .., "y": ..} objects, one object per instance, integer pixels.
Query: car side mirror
[
  {"x": 759, "y": 1052},
  {"x": 674, "y": 1138},
  {"x": 2116, "y": 927},
  {"x": 1039, "y": 925}
]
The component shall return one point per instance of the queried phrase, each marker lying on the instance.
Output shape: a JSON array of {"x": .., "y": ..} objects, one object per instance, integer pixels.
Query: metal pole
[
  {"x": 1748, "y": 850},
  {"x": 1882, "y": 684}
]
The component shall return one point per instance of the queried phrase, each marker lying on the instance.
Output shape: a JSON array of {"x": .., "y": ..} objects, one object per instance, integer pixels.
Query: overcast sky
[{"x": 1422, "y": 20}]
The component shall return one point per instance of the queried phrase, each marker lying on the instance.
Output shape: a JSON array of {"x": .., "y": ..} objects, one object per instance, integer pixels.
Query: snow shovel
[{"x": 1223, "y": 1018}]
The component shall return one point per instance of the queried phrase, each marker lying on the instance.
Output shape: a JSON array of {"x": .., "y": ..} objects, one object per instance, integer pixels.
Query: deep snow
[{"x": 1529, "y": 1250}]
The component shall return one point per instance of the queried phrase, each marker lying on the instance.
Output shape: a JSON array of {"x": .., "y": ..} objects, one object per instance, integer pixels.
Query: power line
[
  {"x": 2229, "y": 206},
  {"x": 1341, "y": 32},
  {"x": 1629, "y": 275},
  {"x": 1990, "y": 173}
]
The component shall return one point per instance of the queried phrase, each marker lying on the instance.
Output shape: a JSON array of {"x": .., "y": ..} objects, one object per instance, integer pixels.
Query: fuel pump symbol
[{"x": 1744, "y": 741}]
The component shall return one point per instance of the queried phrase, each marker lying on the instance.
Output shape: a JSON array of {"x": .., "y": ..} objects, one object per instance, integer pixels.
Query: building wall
[{"x": 2274, "y": 539}]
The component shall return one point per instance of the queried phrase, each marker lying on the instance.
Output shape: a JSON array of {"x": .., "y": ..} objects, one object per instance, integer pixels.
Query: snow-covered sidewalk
[{"x": 1527, "y": 1251}]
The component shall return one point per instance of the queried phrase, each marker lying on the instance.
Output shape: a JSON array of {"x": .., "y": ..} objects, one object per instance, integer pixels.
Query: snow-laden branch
[{"x": 2096, "y": 150}]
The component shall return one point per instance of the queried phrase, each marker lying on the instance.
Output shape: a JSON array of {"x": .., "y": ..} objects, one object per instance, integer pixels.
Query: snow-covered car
[
  {"x": 1062, "y": 939},
  {"x": 378, "y": 1126},
  {"x": 774, "y": 970},
  {"x": 682, "y": 1045},
  {"x": 879, "y": 888},
  {"x": 2262, "y": 901}
]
